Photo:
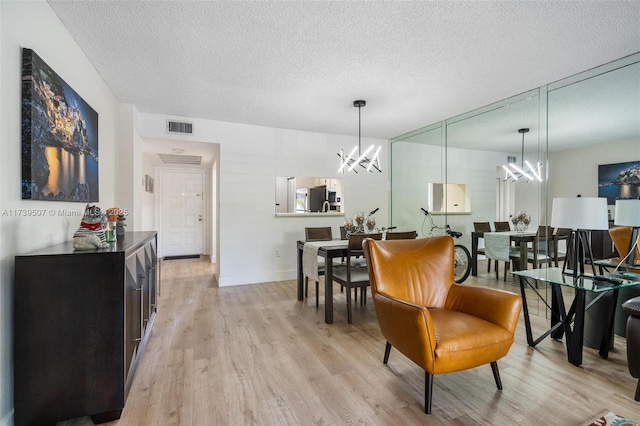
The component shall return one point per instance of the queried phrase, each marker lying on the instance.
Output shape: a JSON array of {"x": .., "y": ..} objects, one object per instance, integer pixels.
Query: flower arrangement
[
  {"x": 521, "y": 217},
  {"x": 521, "y": 221}
]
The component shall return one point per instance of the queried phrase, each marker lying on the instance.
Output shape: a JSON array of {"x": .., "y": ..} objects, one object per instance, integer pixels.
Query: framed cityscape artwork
[
  {"x": 619, "y": 181},
  {"x": 59, "y": 137}
]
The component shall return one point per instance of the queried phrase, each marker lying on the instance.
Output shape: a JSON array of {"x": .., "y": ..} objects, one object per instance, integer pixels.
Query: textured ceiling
[{"x": 300, "y": 65}]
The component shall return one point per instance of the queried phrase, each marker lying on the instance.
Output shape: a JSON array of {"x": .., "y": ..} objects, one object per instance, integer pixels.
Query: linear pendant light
[
  {"x": 512, "y": 171},
  {"x": 356, "y": 157}
]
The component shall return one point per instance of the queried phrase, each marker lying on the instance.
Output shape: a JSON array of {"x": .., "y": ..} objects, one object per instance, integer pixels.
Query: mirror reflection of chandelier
[
  {"x": 356, "y": 156},
  {"x": 516, "y": 172}
]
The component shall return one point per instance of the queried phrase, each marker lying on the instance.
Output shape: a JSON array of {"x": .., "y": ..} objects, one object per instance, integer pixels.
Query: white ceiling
[{"x": 300, "y": 65}]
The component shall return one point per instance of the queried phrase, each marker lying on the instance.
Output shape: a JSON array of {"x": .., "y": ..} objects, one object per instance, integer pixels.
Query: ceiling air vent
[
  {"x": 182, "y": 127},
  {"x": 181, "y": 159}
]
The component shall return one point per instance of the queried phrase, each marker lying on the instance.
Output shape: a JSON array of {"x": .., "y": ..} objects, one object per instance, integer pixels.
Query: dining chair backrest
[
  {"x": 343, "y": 233},
  {"x": 482, "y": 226},
  {"x": 408, "y": 235},
  {"x": 318, "y": 234},
  {"x": 562, "y": 234},
  {"x": 501, "y": 226},
  {"x": 544, "y": 232},
  {"x": 355, "y": 241}
]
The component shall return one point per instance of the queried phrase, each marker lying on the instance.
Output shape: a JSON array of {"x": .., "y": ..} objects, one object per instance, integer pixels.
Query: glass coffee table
[{"x": 571, "y": 322}]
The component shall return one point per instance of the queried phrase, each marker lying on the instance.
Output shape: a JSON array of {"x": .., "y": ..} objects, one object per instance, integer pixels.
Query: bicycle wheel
[{"x": 462, "y": 263}]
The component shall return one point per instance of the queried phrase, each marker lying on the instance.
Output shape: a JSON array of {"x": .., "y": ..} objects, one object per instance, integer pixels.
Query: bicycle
[{"x": 462, "y": 257}]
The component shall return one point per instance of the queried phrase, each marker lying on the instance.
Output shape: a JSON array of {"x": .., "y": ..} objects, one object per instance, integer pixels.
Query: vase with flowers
[{"x": 521, "y": 221}]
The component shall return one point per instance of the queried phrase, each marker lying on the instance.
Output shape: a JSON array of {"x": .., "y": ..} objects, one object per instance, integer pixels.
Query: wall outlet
[{"x": 277, "y": 252}]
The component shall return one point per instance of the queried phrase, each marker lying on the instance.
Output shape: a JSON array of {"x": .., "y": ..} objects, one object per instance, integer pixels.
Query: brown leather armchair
[
  {"x": 441, "y": 326},
  {"x": 620, "y": 235},
  {"x": 632, "y": 308}
]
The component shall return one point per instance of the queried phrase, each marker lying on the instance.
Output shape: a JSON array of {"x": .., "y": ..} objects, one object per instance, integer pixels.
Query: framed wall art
[
  {"x": 59, "y": 137},
  {"x": 619, "y": 181},
  {"x": 148, "y": 183}
]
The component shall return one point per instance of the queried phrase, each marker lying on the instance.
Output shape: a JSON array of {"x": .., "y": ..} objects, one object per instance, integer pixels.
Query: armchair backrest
[
  {"x": 621, "y": 235},
  {"x": 417, "y": 271}
]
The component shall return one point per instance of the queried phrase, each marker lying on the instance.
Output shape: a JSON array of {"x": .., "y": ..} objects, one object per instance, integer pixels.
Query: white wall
[
  {"x": 148, "y": 213},
  {"x": 576, "y": 172},
  {"x": 129, "y": 172},
  {"x": 250, "y": 159},
  {"x": 34, "y": 25}
]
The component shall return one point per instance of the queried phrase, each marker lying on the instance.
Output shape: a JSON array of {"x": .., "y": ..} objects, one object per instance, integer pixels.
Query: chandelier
[
  {"x": 517, "y": 172},
  {"x": 356, "y": 156}
]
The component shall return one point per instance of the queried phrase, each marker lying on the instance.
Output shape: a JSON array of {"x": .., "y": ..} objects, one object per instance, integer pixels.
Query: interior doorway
[{"x": 182, "y": 212}]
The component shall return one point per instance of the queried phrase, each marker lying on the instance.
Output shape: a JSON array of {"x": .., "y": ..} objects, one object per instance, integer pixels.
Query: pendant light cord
[
  {"x": 359, "y": 132},
  {"x": 522, "y": 153}
]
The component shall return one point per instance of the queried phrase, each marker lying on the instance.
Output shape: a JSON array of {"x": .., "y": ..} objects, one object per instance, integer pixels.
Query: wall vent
[
  {"x": 181, "y": 127},
  {"x": 511, "y": 159},
  {"x": 195, "y": 160}
]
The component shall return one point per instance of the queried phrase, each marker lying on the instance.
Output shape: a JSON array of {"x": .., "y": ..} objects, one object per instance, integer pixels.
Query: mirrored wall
[{"x": 574, "y": 126}]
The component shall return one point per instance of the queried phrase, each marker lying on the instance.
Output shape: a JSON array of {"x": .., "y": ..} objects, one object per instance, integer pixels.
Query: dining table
[
  {"x": 328, "y": 250},
  {"x": 522, "y": 239}
]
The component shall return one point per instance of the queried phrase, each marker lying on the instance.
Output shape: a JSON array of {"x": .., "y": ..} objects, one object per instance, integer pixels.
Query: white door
[{"x": 182, "y": 212}]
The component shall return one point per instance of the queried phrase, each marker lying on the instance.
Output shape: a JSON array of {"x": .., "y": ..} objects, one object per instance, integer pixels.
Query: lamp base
[{"x": 579, "y": 253}]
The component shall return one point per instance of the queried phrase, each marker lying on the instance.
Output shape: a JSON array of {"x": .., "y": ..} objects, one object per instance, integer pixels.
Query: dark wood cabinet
[
  {"x": 81, "y": 321},
  {"x": 602, "y": 245}
]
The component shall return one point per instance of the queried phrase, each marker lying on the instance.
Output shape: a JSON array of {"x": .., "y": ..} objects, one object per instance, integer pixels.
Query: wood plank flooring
[{"x": 254, "y": 354}]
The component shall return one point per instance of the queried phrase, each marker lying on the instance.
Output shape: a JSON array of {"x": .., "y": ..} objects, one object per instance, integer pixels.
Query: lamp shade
[
  {"x": 588, "y": 213},
  {"x": 627, "y": 213}
]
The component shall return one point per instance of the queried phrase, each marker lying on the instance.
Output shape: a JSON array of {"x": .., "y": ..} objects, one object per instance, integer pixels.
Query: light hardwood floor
[{"x": 254, "y": 354}]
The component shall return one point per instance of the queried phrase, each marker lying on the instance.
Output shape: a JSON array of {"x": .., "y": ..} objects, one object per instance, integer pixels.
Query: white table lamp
[
  {"x": 628, "y": 214},
  {"x": 580, "y": 214}
]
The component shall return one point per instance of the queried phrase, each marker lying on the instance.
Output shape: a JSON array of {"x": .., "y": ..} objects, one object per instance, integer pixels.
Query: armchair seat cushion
[{"x": 465, "y": 341}]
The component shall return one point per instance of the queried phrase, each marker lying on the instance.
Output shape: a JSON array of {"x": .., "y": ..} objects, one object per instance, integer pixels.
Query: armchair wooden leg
[
  {"x": 637, "y": 398},
  {"x": 496, "y": 374},
  {"x": 428, "y": 387},
  {"x": 387, "y": 350}
]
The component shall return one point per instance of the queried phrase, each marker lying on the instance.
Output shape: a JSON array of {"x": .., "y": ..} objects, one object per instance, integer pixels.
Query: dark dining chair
[
  {"x": 545, "y": 243},
  {"x": 483, "y": 227},
  {"x": 562, "y": 234},
  {"x": 354, "y": 274},
  {"x": 316, "y": 234},
  {"x": 501, "y": 226}
]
